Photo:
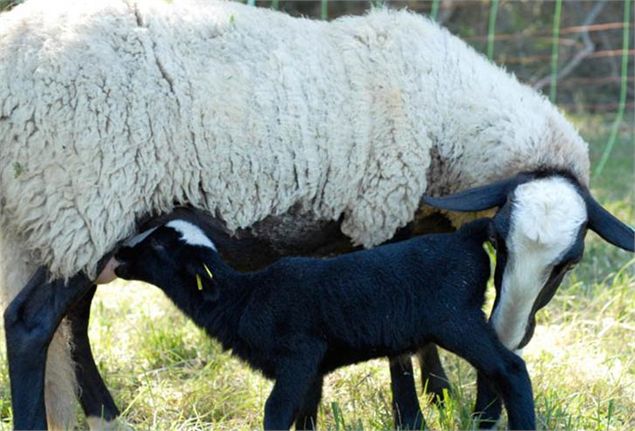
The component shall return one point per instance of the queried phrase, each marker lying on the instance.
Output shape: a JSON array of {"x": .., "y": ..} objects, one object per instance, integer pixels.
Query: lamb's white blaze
[
  {"x": 546, "y": 217},
  {"x": 191, "y": 234}
]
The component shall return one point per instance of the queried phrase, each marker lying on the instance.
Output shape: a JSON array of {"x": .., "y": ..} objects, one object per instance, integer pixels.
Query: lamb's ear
[
  {"x": 608, "y": 226},
  {"x": 479, "y": 198}
]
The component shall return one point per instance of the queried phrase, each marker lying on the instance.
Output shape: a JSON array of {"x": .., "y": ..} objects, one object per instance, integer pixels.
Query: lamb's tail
[{"x": 60, "y": 384}]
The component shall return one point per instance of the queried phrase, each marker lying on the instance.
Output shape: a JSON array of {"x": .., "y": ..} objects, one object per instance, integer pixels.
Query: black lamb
[{"x": 301, "y": 318}]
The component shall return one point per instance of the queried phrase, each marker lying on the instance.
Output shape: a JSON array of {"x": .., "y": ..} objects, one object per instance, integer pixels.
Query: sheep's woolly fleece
[{"x": 113, "y": 109}]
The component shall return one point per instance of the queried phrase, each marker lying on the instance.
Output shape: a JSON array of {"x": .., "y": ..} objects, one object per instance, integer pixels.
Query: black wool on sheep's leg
[
  {"x": 30, "y": 322},
  {"x": 94, "y": 397}
]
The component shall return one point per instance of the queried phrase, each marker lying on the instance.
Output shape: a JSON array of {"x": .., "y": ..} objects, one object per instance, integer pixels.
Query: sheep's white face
[
  {"x": 542, "y": 238},
  {"x": 538, "y": 233}
]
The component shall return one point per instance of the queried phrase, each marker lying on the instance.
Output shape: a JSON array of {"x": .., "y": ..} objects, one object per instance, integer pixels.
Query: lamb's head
[
  {"x": 539, "y": 235},
  {"x": 167, "y": 254}
]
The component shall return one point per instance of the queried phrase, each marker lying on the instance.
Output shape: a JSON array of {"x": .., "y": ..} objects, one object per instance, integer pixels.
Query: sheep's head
[
  {"x": 169, "y": 255},
  {"x": 539, "y": 235}
]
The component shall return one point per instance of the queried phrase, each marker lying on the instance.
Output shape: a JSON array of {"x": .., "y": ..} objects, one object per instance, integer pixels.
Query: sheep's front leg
[
  {"x": 30, "y": 322},
  {"x": 94, "y": 397},
  {"x": 405, "y": 404},
  {"x": 307, "y": 417}
]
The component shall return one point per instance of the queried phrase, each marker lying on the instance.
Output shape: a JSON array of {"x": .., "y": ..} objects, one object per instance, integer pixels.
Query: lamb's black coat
[{"x": 301, "y": 318}]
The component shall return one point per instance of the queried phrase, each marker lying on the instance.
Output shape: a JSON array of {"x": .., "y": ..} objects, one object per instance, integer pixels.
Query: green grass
[{"x": 166, "y": 374}]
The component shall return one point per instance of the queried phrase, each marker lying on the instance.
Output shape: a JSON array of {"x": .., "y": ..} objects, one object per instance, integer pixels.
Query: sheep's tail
[{"x": 60, "y": 385}]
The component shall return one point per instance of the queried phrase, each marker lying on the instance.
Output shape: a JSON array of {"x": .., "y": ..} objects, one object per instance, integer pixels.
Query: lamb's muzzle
[{"x": 108, "y": 273}]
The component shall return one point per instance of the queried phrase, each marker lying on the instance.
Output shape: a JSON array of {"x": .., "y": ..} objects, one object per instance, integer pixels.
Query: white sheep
[{"x": 114, "y": 110}]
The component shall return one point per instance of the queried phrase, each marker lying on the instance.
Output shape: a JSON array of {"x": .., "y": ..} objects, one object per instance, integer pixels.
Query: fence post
[
  {"x": 434, "y": 11},
  {"x": 555, "y": 46},
  {"x": 491, "y": 28}
]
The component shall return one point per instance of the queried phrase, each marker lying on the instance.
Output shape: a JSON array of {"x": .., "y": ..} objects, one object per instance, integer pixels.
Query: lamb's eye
[
  {"x": 156, "y": 244},
  {"x": 124, "y": 253}
]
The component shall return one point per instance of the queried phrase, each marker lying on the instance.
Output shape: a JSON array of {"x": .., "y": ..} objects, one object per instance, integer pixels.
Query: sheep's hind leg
[
  {"x": 30, "y": 322},
  {"x": 405, "y": 404},
  {"x": 96, "y": 401},
  {"x": 307, "y": 417}
]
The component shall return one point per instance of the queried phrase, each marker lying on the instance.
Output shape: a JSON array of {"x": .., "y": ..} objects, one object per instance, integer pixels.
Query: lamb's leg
[
  {"x": 30, "y": 322},
  {"x": 94, "y": 397},
  {"x": 488, "y": 405},
  {"x": 433, "y": 377},
  {"x": 505, "y": 371},
  {"x": 307, "y": 417},
  {"x": 294, "y": 377},
  {"x": 405, "y": 403}
]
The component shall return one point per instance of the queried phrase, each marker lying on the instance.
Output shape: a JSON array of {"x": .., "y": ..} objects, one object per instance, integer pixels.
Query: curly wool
[{"x": 111, "y": 110}]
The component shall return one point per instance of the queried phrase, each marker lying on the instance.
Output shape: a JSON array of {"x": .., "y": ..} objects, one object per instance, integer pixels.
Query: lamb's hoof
[{"x": 437, "y": 390}]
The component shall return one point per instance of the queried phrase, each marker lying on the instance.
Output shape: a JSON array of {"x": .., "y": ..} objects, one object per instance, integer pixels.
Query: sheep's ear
[
  {"x": 479, "y": 198},
  {"x": 608, "y": 226}
]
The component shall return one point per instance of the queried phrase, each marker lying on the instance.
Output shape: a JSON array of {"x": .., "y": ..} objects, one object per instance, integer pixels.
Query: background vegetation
[{"x": 165, "y": 374}]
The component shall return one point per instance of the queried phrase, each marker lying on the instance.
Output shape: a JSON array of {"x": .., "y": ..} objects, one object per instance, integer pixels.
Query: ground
[{"x": 165, "y": 374}]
